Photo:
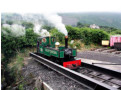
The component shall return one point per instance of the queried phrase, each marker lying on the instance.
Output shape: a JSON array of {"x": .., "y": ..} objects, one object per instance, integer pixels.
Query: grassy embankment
[{"x": 15, "y": 68}]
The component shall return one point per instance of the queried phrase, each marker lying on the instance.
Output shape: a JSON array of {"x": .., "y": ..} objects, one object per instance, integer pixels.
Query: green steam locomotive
[{"x": 49, "y": 48}]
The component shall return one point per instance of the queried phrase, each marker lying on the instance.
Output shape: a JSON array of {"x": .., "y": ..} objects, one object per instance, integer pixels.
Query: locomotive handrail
[{"x": 78, "y": 77}]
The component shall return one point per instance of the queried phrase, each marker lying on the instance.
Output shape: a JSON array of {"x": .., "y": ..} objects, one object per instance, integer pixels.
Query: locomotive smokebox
[{"x": 66, "y": 41}]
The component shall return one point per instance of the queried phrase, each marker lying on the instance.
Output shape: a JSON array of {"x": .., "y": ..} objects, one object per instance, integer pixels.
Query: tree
[
  {"x": 59, "y": 36},
  {"x": 81, "y": 25},
  {"x": 9, "y": 22},
  {"x": 27, "y": 25},
  {"x": 47, "y": 27}
]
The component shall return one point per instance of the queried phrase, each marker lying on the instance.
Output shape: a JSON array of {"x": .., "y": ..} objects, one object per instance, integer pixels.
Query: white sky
[{"x": 40, "y": 6}]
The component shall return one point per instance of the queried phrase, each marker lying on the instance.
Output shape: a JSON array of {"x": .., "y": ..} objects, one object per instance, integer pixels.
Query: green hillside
[{"x": 101, "y": 19}]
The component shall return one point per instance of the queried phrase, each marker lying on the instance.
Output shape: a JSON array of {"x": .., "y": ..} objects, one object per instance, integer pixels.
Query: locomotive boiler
[{"x": 60, "y": 54}]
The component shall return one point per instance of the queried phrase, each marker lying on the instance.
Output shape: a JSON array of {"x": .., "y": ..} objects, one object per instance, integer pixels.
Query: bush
[
  {"x": 10, "y": 44},
  {"x": 88, "y": 35},
  {"x": 116, "y": 32},
  {"x": 30, "y": 38},
  {"x": 98, "y": 36},
  {"x": 73, "y": 32}
]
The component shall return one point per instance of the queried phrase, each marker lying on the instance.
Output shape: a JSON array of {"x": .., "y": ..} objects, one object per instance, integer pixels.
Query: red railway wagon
[{"x": 115, "y": 39}]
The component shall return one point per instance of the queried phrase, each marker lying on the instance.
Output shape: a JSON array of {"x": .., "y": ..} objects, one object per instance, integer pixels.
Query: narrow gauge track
[
  {"x": 106, "y": 50},
  {"x": 88, "y": 76},
  {"x": 104, "y": 78}
]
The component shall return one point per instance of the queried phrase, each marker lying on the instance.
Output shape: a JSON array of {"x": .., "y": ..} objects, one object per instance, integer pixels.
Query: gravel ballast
[{"x": 55, "y": 80}]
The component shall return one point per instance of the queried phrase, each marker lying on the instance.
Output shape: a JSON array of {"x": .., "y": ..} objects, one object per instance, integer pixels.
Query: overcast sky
[{"x": 40, "y": 6}]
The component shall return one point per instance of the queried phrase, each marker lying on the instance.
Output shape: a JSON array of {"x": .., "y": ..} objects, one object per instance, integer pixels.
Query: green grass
[{"x": 21, "y": 87}]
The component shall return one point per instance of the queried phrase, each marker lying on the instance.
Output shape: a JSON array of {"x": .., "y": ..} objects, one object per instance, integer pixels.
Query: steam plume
[
  {"x": 37, "y": 28},
  {"x": 46, "y": 19},
  {"x": 56, "y": 21},
  {"x": 44, "y": 33},
  {"x": 41, "y": 32},
  {"x": 15, "y": 30}
]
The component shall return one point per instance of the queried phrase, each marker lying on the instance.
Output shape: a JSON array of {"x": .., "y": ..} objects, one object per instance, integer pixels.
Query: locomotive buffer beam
[{"x": 78, "y": 77}]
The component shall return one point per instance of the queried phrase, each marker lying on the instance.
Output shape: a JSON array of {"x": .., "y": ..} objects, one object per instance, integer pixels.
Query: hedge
[{"x": 88, "y": 35}]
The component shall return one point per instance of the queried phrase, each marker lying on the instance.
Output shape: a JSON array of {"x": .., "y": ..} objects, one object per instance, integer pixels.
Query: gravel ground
[
  {"x": 109, "y": 57},
  {"x": 55, "y": 80}
]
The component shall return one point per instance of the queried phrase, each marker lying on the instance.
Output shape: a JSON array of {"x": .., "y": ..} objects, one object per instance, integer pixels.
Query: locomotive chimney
[{"x": 66, "y": 41}]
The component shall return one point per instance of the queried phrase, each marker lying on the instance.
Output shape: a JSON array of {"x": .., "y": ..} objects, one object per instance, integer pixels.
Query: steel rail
[
  {"x": 78, "y": 77},
  {"x": 110, "y": 72},
  {"x": 98, "y": 76}
]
